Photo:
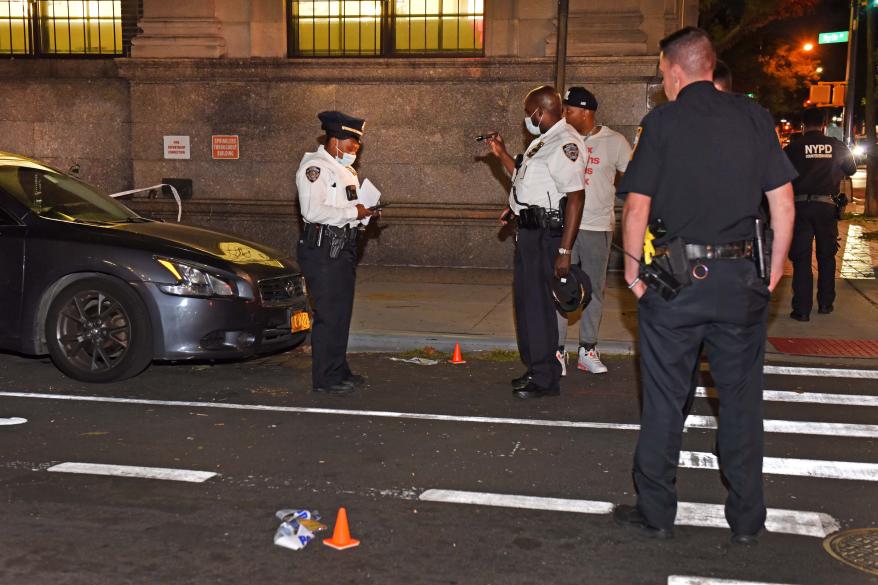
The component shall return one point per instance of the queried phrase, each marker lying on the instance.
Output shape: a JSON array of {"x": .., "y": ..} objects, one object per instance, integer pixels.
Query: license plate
[{"x": 300, "y": 321}]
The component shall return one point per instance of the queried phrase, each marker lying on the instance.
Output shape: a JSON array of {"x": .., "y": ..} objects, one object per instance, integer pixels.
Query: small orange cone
[
  {"x": 457, "y": 357},
  {"x": 341, "y": 535}
]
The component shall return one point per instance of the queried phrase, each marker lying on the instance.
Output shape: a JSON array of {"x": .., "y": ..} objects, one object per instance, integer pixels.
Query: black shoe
[
  {"x": 799, "y": 316},
  {"x": 531, "y": 390},
  {"x": 825, "y": 309},
  {"x": 631, "y": 518},
  {"x": 745, "y": 539},
  {"x": 339, "y": 389},
  {"x": 355, "y": 379},
  {"x": 522, "y": 381}
]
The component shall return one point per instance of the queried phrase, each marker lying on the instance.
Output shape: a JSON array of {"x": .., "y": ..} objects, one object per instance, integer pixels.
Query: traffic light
[
  {"x": 838, "y": 93},
  {"x": 827, "y": 94},
  {"x": 820, "y": 94}
]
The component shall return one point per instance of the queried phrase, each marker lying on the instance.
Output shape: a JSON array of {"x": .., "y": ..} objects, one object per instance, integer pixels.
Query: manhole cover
[{"x": 857, "y": 548}]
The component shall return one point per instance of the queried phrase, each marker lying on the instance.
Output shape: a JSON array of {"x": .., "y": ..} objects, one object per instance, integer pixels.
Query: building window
[
  {"x": 345, "y": 28},
  {"x": 56, "y": 28}
]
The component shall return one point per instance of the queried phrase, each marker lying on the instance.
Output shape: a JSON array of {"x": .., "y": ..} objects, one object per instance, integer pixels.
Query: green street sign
[{"x": 832, "y": 37}]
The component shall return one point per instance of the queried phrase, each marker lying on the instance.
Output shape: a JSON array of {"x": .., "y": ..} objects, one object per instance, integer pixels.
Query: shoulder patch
[
  {"x": 312, "y": 173},
  {"x": 571, "y": 151},
  {"x": 636, "y": 140}
]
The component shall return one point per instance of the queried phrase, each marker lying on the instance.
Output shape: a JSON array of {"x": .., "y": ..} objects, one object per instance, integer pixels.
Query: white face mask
[
  {"x": 531, "y": 127},
  {"x": 345, "y": 159}
]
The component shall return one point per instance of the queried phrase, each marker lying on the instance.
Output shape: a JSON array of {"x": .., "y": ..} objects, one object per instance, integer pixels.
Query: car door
[{"x": 12, "y": 239}]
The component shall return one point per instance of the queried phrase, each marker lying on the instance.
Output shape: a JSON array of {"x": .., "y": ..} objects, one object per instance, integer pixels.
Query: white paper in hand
[{"x": 368, "y": 194}]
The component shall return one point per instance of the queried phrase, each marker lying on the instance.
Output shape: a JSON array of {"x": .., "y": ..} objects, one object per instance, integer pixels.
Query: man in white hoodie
[{"x": 607, "y": 153}]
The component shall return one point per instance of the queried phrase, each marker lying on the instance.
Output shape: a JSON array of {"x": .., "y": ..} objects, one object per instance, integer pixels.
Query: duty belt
[
  {"x": 818, "y": 198},
  {"x": 346, "y": 232},
  {"x": 731, "y": 251}
]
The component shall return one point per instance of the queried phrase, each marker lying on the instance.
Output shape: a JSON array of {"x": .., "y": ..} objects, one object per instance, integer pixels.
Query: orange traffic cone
[
  {"x": 341, "y": 535},
  {"x": 457, "y": 357}
]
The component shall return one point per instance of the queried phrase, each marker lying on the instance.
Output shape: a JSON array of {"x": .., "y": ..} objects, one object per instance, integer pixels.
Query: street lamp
[
  {"x": 819, "y": 70},
  {"x": 808, "y": 47}
]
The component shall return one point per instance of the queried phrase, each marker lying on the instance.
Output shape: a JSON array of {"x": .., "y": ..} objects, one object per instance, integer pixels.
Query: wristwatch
[{"x": 564, "y": 251}]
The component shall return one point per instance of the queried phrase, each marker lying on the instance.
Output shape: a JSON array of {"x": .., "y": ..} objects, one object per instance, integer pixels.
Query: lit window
[
  {"x": 67, "y": 27},
  {"x": 445, "y": 26},
  {"x": 321, "y": 28}
]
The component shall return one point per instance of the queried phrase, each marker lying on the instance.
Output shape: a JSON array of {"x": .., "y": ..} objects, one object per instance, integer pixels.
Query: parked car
[{"x": 105, "y": 291}]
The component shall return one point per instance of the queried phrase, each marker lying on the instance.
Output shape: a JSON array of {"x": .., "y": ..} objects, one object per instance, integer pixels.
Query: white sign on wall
[{"x": 177, "y": 147}]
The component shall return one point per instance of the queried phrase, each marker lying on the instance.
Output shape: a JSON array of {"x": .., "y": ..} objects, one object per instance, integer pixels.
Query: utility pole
[
  {"x": 871, "y": 144},
  {"x": 561, "y": 52},
  {"x": 851, "y": 76}
]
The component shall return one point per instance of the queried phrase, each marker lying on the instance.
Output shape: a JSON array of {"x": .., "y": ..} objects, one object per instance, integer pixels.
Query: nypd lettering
[
  {"x": 818, "y": 151},
  {"x": 571, "y": 151}
]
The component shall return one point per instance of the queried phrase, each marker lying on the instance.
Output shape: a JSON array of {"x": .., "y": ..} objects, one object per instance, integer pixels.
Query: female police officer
[{"x": 327, "y": 250}]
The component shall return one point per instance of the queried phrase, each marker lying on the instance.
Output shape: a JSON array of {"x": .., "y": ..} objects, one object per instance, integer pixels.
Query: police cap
[
  {"x": 572, "y": 291},
  {"x": 580, "y": 97},
  {"x": 341, "y": 126}
]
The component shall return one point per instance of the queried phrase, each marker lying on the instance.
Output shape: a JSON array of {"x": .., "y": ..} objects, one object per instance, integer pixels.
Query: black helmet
[{"x": 572, "y": 291}]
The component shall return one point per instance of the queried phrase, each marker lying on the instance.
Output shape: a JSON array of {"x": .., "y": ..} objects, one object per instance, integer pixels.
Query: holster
[
  {"x": 669, "y": 272},
  {"x": 762, "y": 250},
  {"x": 841, "y": 202}
]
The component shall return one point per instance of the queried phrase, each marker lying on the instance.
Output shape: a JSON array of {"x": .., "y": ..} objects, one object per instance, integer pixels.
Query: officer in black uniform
[
  {"x": 822, "y": 162},
  {"x": 701, "y": 164},
  {"x": 327, "y": 250}
]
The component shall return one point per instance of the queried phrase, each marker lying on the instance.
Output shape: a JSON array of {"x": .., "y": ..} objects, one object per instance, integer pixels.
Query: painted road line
[
  {"x": 693, "y": 422},
  {"x": 802, "y": 397},
  {"x": 688, "y": 514},
  {"x": 795, "y": 427},
  {"x": 521, "y": 502},
  {"x": 681, "y": 580},
  {"x": 798, "y": 467},
  {"x": 816, "y": 524},
  {"x": 820, "y": 372},
  {"x": 134, "y": 471},
  {"x": 15, "y": 420}
]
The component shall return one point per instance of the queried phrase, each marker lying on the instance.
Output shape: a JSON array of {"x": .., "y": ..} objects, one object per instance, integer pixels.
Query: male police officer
[
  {"x": 327, "y": 250},
  {"x": 547, "y": 198},
  {"x": 607, "y": 153},
  {"x": 822, "y": 162},
  {"x": 701, "y": 165}
]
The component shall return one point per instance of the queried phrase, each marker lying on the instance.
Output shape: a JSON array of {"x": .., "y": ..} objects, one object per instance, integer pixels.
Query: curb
[{"x": 395, "y": 341}]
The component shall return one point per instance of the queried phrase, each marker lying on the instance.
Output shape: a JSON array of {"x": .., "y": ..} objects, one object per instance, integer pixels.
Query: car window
[
  {"x": 6, "y": 218},
  {"x": 58, "y": 196}
]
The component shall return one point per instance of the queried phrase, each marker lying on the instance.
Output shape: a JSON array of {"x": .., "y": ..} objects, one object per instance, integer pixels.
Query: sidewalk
[{"x": 401, "y": 308}]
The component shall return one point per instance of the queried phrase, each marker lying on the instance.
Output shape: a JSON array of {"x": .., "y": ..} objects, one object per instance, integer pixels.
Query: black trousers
[
  {"x": 330, "y": 284},
  {"x": 536, "y": 323},
  {"x": 727, "y": 313},
  {"x": 815, "y": 222}
]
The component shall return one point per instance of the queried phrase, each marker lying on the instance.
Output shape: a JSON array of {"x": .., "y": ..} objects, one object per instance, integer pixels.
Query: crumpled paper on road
[
  {"x": 297, "y": 528},
  {"x": 417, "y": 361}
]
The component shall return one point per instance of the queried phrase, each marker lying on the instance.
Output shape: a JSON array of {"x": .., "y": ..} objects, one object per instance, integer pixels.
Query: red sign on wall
[{"x": 225, "y": 146}]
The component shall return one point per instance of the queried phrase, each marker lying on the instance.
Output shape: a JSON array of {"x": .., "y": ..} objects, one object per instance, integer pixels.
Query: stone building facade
[{"x": 221, "y": 67}]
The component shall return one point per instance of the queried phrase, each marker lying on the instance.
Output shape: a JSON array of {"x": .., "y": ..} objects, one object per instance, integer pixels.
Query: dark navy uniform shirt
[
  {"x": 822, "y": 163},
  {"x": 706, "y": 159}
]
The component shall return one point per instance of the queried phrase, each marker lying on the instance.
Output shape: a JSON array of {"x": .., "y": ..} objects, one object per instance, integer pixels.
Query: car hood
[{"x": 251, "y": 256}]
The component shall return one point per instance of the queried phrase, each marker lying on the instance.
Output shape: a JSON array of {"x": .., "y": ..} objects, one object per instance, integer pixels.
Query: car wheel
[{"x": 98, "y": 330}]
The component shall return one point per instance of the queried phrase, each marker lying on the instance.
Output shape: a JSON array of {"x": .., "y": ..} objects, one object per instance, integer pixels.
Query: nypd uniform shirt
[
  {"x": 553, "y": 165},
  {"x": 705, "y": 159},
  {"x": 822, "y": 163},
  {"x": 327, "y": 190}
]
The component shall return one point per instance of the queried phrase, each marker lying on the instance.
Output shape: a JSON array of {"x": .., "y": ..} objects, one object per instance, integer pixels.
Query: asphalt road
[{"x": 359, "y": 452}]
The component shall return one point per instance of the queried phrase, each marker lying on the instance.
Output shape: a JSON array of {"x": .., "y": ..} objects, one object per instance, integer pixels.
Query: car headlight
[
  {"x": 194, "y": 282},
  {"x": 859, "y": 150}
]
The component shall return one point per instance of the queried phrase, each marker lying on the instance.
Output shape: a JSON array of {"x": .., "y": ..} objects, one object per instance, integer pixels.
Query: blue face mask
[
  {"x": 345, "y": 159},
  {"x": 531, "y": 127}
]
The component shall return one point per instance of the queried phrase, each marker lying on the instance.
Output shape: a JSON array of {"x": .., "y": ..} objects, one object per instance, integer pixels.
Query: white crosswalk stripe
[
  {"x": 133, "y": 471},
  {"x": 683, "y": 580},
  {"x": 802, "y": 397},
  {"x": 798, "y": 467}
]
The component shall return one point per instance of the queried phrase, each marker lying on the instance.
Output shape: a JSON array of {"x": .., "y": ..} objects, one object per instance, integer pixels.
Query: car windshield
[{"x": 53, "y": 195}]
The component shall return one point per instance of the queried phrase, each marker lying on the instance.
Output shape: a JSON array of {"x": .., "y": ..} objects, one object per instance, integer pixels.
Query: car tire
[{"x": 98, "y": 330}]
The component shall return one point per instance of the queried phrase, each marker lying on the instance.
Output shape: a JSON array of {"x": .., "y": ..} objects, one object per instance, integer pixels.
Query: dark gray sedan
[{"x": 105, "y": 291}]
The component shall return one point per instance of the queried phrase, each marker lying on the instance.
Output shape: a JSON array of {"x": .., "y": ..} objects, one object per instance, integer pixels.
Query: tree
[
  {"x": 730, "y": 21},
  {"x": 791, "y": 71}
]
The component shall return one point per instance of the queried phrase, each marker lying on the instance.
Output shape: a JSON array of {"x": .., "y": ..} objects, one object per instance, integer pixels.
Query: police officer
[
  {"x": 701, "y": 164},
  {"x": 822, "y": 162},
  {"x": 547, "y": 186},
  {"x": 327, "y": 249}
]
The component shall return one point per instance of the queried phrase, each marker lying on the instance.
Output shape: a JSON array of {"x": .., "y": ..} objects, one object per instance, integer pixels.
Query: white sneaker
[
  {"x": 590, "y": 361},
  {"x": 561, "y": 356}
]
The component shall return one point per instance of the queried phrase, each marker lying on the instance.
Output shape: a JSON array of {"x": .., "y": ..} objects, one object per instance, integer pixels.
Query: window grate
[
  {"x": 369, "y": 28},
  {"x": 64, "y": 28}
]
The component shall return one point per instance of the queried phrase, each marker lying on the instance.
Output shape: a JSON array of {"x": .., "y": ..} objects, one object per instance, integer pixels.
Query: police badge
[
  {"x": 571, "y": 151},
  {"x": 312, "y": 173}
]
